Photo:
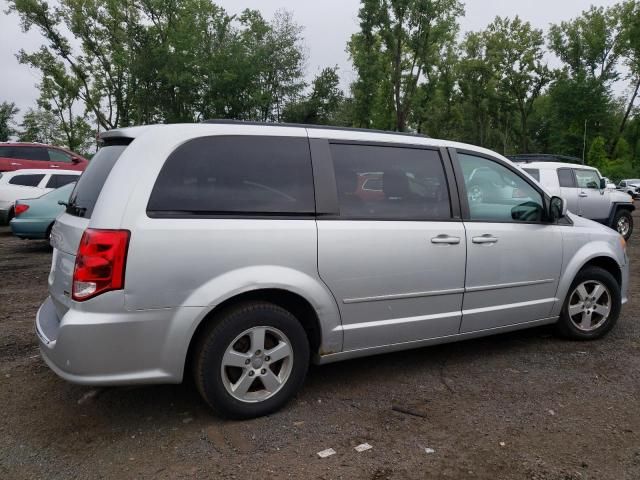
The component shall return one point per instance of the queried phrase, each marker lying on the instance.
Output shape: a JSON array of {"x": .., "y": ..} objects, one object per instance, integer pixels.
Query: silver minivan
[{"x": 240, "y": 253}]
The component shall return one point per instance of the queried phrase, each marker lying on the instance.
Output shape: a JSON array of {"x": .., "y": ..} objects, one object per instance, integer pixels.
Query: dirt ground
[{"x": 517, "y": 406}]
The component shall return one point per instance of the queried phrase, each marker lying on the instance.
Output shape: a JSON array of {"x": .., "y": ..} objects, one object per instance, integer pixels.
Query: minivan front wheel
[
  {"x": 592, "y": 306},
  {"x": 251, "y": 360}
]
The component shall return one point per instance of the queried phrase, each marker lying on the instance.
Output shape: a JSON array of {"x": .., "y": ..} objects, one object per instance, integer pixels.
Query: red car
[{"x": 17, "y": 156}]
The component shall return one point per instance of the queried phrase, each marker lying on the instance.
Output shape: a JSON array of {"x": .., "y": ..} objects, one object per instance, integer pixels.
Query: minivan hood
[{"x": 582, "y": 222}]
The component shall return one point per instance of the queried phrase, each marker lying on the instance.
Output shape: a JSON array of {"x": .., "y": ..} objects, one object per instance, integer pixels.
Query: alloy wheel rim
[
  {"x": 589, "y": 305},
  {"x": 257, "y": 364},
  {"x": 623, "y": 226}
]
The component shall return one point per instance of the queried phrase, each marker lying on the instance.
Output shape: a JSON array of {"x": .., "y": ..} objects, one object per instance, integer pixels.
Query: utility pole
[{"x": 584, "y": 141}]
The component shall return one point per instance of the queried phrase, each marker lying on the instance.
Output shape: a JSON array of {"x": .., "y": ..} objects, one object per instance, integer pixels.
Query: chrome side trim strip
[
  {"x": 508, "y": 285},
  {"x": 398, "y": 296},
  {"x": 396, "y": 321},
  {"x": 508, "y": 306}
]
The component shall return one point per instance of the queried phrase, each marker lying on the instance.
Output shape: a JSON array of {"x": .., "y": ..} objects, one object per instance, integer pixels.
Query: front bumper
[
  {"x": 4, "y": 216},
  {"x": 136, "y": 347}
]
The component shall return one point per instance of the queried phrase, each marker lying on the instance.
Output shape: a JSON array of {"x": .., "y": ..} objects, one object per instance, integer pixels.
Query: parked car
[
  {"x": 19, "y": 156},
  {"x": 24, "y": 184},
  {"x": 34, "y": 218},
  {"x": 585, "y": 191},
  {"x": 630, "y": 187},
  {"x": 609, "y": 184},
  {"x": 235, "y": 252}
]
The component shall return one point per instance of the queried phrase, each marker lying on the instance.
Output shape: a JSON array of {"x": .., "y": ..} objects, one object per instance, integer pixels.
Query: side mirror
[
  {"x": 75, "y": 160},
  {"x": 557, "y": 208},
  {"x": 603, "y": 184}
]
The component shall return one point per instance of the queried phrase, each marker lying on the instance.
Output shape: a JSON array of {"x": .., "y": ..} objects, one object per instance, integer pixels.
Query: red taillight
[
  {"x": 100, "y": 263},
  {"x": 20, "y": 208}
]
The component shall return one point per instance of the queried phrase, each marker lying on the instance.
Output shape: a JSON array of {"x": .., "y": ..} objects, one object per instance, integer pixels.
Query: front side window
[
  {"x": 623, "y": 184},
  {"x": 390, "y": 183},
  {"x": 587, "y": 179},
  {"x": 58, "y": 156},
  {"x": 497, "y": 194},
  {"x": 236, "y": 175},
  {"x": 26, "y": 180},
  {"x": 566, "y": 178}
]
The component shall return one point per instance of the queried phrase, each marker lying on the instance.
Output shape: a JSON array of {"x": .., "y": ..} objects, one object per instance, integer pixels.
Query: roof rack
[
  {"x": 543, "y": 157},
  {"x": 309, "y": 125}
]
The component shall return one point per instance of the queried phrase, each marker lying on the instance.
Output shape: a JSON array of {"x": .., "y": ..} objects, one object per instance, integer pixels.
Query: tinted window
[
  {"x": 31, "y": 153},
  {"x": 85, "y": 195},
  {"x": 566, "y": 178},
  {"x": 236, "y": 174},
  {"x": 27, "y": 180},
  {"x": 59, "y": 156},
  {"x": 501, "y": 195},
  {"x": 6, "y": 152},
  {"x": 57, "y": 181},
  {"x": 534, "y": 172},
  {"x": 587, "y": 179},
  {"x": 390, "y": 183}
]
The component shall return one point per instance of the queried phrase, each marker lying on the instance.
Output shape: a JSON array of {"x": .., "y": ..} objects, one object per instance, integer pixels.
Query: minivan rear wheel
[
  {"x": 592, "y": 306},
  {"x": 251, "y": 360}
]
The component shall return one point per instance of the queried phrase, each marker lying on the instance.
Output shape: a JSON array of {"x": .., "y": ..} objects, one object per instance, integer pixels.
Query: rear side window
[
  {"x": 26, "y": 180},
  {"x": 30, "y": 153},
  {"x": 57, "y": 181},
  {"x": 6, "y": 152},
  {"x": 85, "y": 195},
  {"x": 225, "y": 175},
  {"x": 390, "y": 183},
  {"x": 534, "y": 172},
  {"x": 566, "y": 178}
]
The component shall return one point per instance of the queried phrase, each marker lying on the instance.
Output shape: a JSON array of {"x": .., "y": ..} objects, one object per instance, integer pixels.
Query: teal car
[{"x": 35, "y": 217}]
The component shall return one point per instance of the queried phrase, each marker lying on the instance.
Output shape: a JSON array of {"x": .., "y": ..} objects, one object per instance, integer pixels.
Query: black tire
[
  {"x": 566, "y": 327},
  {"x": 626, "y": 216},
  {"x": 219, "y": 335}
]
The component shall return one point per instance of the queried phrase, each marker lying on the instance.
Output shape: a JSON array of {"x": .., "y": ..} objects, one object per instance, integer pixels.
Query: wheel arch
[
  {"x": 575, "y": 266},
  {"x": 293, "y": 302}
]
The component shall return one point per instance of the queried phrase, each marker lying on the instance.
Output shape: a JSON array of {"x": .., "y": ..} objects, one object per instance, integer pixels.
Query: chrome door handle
[
  {"x": 54, "y": 166},
  {"x": 445, "y": 240},
  {"x": 485, "y": 239},
  {"x": 16, "y": 164},
  {"x": 582, "y": 194}
]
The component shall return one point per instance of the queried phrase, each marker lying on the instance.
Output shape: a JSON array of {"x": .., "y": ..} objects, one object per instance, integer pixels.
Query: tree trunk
[{"x": 623, "y": 124}]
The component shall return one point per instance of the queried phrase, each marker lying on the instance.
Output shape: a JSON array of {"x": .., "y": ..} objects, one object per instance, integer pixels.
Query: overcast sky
[{"x": 328, "y": 24}]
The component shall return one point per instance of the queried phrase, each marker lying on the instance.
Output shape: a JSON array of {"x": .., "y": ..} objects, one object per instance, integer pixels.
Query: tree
[
  {"x": 40, "y": 126},
  {"x": 588, "y": 44},
  {"x": 322, "y": 104},
  {"x": 597, "y": 156},
  {"x": 630, "y": 52},
  {"x": 7, "y": 112},
  {"x": 399, "y": 48},
  {"x": 516, "y": 49}
]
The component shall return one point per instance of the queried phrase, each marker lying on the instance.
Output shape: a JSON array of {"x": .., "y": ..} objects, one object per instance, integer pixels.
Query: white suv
[{"x": 586, "y": 193}]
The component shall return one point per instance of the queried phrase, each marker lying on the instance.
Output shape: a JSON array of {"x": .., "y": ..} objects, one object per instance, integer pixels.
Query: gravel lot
[{"x": 518, "y": 406}]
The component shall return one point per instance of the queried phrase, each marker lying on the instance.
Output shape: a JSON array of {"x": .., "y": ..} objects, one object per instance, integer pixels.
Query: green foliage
[
  {"x": 597, "y": 156},
  {"x": 40, "y": 126},
  {"x": 147, "y": 61},
  {"x": 7, "y": 112},
  {"x": 398, "y": 52},
  {"x": 324, "y": 103}
]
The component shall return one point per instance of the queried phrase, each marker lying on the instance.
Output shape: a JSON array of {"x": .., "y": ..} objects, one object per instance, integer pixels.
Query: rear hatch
[{"x": 69, "y": 227}]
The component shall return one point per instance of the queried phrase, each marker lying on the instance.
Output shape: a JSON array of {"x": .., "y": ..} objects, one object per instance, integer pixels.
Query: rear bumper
[
  {"x": 104, "y": 349},
  {"x": 28, "y": 228}
]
